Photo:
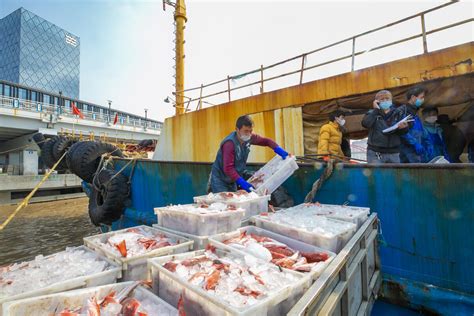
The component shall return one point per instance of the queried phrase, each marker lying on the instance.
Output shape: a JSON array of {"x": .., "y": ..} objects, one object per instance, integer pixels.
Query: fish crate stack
[
  {"x": 224, "y": 281},
  {"x": 73, "y": 268},
  {"x": 77, "y": 302},
  {"x": 277, "y": 249},
  {"x": 130, "y": 248}
]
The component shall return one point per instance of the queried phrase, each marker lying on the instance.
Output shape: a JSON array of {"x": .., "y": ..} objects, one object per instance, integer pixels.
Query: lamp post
[
  {"x": 60, "y": 102},
  {"x": 146, "y": 117},
  {"x": 110, "y": 109}
]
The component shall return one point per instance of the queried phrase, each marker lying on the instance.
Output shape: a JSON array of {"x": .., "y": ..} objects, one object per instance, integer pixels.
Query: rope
[
  {"x": 318, "y": 183},
  {"x": 26, "y": 200}
]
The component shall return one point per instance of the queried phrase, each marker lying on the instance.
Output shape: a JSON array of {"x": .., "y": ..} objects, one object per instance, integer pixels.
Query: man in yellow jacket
[{"x": 330, "y": 135}]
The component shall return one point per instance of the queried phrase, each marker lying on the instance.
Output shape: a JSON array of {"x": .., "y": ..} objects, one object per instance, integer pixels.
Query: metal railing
[
  {"x": 47, "y": 109},
  {"x": 423, "y": 34}
]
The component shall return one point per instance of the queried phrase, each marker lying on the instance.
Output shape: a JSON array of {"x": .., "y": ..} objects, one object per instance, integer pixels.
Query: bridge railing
[
  {"x": 39, "y": 107},
  {"x": 199, "y": 97}
]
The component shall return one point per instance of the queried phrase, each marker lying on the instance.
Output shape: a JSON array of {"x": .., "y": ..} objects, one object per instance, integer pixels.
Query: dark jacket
[
  {"x": 376, "y": 121},
  {"x": 455, "y": 141}
]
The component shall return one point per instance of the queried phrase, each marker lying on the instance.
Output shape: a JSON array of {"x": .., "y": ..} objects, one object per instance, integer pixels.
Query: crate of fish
[
  {"x": 200, "y": 219},
  {"x": 252, "y": 203},
  {"x": 126, "y": 298},
  {"x": 224, "y": 281},
  {"x": 327, "y": 233},
  {"x": 131, "y": 247},
  {"x": 280, "y": 250},
  {"x": 268, "y": 178},
  {"x": 353, "y": 214},
  {"x": 70, "y": 269},
  {"x": 199, "y": 242}
]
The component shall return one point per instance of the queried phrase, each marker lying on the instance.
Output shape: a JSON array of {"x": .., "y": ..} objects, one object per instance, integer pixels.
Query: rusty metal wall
[{"x": 195, "y": 136}]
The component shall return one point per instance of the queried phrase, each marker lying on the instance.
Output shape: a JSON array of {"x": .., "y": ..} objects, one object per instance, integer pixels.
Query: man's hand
[
  {"x": 280, "y": 151},
  {"x": 244, "y": 184},
  {"x": 418, "y": 149},
  {"x": 376, "y": 105},
  {"x": 402, "y": 125}
]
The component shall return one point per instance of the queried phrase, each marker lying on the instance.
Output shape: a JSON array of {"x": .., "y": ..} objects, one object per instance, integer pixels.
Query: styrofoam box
[
  {"x": 274, "y": 176},
  {"x": 251, "y": 206},
  {"x": 353, "y": 214},
  {"x": 291, "y": 243},
  {"x": 198, "y": 302},
  {"x": 104, "y": 277},
  {"x": 333, "y": 243},
  {"x": 199, "y": 224},
  {"x": 135, "y": 268},
  {"x": 44, "y": 305},
  {"x": 200, "y": 242}
]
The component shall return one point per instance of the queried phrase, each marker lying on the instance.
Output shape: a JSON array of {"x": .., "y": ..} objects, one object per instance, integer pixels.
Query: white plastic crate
[
  {"x": 273, "y": 174},
  {"x": 291, "y": 243},
  {"x": 105, "y": 277},
  {"x": 329, "y": 241},
  {"x": 199, "y": 224},
  {"x": 252, "y": 206},
  {"x": 198, "y": 302},
  {"x": 135, "y": 268},
  {"x": 45, "y": 305},
  {"x": 200, "y": 242},
  {"x": 353, "y": 214}
]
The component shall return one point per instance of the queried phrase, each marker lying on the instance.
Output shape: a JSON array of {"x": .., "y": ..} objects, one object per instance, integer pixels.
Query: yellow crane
[{"x": 180, "y": 19}]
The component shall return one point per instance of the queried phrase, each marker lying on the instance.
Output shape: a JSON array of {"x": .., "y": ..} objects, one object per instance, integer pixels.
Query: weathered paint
[
  {"x": 195, "y": 136},
  {"x": 426, "y": 211}
]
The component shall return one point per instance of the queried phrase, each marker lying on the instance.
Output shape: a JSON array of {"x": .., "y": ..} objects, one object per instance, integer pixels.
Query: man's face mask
[
  {"x": 431, "y": 119},
  {"x": 385, "y": 105}
]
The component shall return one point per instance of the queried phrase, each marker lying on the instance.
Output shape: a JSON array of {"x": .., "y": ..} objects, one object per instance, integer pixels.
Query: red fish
[
  {"x": 247, "y": 292},
  {"x": 315, "y": 256},
  {"x": 280, "y": 250},
  {"x": 257, "y": 277},
  {"x": 181, "y": 311},
  {"x": 170, "y": 266},
  {"x": 193, "y": 261},
  {"x": 260, "y": 238},
  {"x": 284, "y": 262},
  {"x": 66, "y": 312},
  {"x": 211, "y": 248},
  {"x": 212, "y": 280},
  {"x": 130, "y": 307},
  {"x": 122, "y": 248},
  {"x": 110, "y": 298}
]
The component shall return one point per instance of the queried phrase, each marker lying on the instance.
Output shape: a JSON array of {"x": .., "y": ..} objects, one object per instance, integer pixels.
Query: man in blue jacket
[
  {"x": 415, "y": 142},
  {"x": 436, "y": 143}
]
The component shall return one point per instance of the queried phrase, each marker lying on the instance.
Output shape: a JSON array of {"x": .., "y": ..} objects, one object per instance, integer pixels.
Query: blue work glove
[
  {"x": 280, "y": 151},
  {"x": 244, "y": 184},
  {"x": 418, "y": 149}
]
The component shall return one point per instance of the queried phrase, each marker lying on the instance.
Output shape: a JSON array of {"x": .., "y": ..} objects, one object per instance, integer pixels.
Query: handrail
[
  {"x": 39, "y": 107},
  {"x": 303, "y": 56}
]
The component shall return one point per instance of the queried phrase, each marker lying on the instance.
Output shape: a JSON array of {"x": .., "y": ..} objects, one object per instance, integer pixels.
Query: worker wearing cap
[{"x": 229, "y": 168}]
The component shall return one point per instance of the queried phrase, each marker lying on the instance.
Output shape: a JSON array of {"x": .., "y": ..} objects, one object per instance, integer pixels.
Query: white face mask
[
  {"x": 245, "y": 138},
  {"x": 340, "y": 121},
  {"x": 431, "y": 119}
]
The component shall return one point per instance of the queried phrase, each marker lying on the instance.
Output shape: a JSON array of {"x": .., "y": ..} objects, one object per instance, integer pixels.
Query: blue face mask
[
  {"x": 385, "y": 105},
  {"x": 418, "y": 102}
]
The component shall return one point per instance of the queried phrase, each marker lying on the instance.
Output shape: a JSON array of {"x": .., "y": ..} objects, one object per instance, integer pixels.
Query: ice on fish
[
  {"x": 44, "y": 271},
  {"x": 203, "y": 208},
  {"x": 356, "y": 215},
  {"x": 133, "y": 242},
  {"x": 238, "y": 281},
  {"x": 238, "y": 196}
]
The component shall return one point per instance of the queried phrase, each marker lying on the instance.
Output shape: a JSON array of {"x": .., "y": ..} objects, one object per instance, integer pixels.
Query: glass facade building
[{"x": 38, "y": 54}]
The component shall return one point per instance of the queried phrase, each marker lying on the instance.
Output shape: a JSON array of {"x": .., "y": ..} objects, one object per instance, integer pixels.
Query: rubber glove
[
  {"x": 326, "y": 158},
  {"x": 280, "y": 151},
  {"x": 244, "y": 184},
  {"x": 418, "y": 149}
]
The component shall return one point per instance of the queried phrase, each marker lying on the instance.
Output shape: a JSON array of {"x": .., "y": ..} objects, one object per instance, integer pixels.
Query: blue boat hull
[{"x": 426, "y": 214}]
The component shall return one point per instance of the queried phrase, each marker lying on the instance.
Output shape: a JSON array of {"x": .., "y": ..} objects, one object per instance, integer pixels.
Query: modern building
[{"x": 38, "y": 54}]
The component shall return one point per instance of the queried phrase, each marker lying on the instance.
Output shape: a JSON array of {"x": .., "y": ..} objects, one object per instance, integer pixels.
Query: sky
[{"x": 127, "y": 45}]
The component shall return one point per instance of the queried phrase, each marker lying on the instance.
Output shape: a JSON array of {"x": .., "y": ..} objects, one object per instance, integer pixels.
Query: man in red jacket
[{"x": 229, "y": 168}]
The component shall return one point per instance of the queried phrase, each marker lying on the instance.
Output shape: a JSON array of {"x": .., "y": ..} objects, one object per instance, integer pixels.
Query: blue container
[{"x": 426, "y": 214}]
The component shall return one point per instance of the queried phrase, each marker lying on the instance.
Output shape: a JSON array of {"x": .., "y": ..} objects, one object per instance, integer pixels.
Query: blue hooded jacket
[{"x": 416, "y": 135}]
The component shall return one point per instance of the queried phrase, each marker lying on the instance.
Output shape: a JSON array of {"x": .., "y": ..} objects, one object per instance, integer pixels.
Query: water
[{"x": 43, "y": 228}]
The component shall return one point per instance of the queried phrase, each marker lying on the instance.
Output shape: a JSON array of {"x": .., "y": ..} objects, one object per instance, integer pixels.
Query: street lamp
[
  {"x": 110, "y": 108},
  {"x": 146, "y": 117},
  {"x": 60, "y": 102}
]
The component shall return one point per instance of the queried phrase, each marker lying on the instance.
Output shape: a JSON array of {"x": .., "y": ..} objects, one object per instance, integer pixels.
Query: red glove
[{"x": 326, "y": 158}]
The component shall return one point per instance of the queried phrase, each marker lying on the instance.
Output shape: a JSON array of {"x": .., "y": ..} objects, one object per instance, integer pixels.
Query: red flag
[
  {"x": 116, "y": 118},
  {"x": 76, "y": 111}
]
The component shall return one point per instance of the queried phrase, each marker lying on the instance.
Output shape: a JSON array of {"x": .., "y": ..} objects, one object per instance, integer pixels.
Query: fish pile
[
  {"x": 203, "y": 208},
  {"x": 276, "y": 252},
  {"x": 122, "y": 303},
  {"x": 239, "y": 196},
  {"x": 44, "y": 271},
  {"x": 133, "y": 242},
  {"x": 238, "y": 281},
  {"x": 320, "y": 225}
]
